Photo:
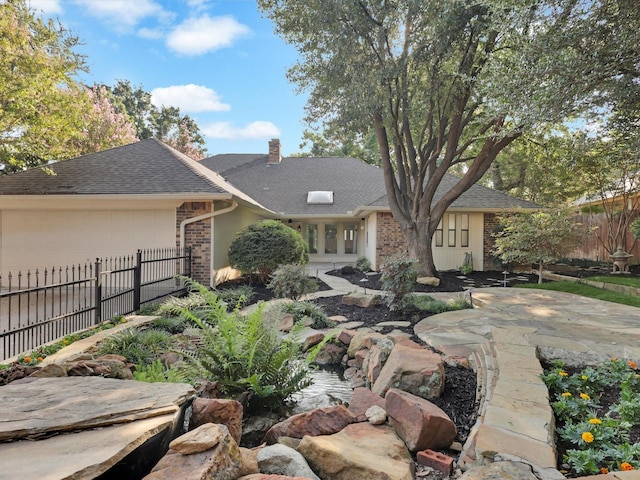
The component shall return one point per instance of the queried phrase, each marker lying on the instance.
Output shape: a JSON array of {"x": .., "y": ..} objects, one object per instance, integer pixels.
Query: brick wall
[
  {"x": 389, "y": 237},
  {"x": 198, "y": 237},
  {"x": 489, "y": 227}
]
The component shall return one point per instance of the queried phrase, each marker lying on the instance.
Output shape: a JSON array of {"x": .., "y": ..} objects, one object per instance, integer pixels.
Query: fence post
[
  {"x": 98, "y": 292},
  {"x": 137, "y": 281},
  {"x": 188, "y": 272}
]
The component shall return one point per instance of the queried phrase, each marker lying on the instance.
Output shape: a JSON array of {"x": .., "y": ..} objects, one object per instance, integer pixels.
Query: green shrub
[
  {"x": 174, "y": 306},
  {"x": 398, "y": 279},
  {"x": 171, "y": 325},
  {"x": 157, "y": 372},
  {"x": 236, "y": 297},
  {"x": 137, "y": 346},
  {"x": 265, "y": 245},
  {"x": 429, "y": 304},
  {"x": 292, "y": 281},
  {"x": 635, "y": 228},
  {"x": 363, "y": 265},
  {"x": 299, "y": 310}
]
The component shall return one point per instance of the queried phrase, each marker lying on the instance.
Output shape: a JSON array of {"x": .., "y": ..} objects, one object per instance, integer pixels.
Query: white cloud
[
  {"x": 253, "y": 131},
  {"x": 48, "y": 7},
  {"x": 197, "y": 36},
  {"x": 189, "y": 98},
  {"x": 151, "y": 33},
  {"x": 123, "y": 15}
]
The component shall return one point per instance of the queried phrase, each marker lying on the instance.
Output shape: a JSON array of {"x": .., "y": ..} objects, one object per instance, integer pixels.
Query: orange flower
[
  {"x": 40, "y": 359},
  {"x": 626, "y": 466},
  {"x": 604, "y": 470},
  {"x": 27, "y": 359},
  {"x": 632, "y": 364},
  {"x": 587, "y": 437}
]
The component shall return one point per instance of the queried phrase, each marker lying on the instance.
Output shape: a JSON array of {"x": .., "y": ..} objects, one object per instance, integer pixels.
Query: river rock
[
  {"x": 361, "y": 401},
  {"x": 222, "y": 462},
  {"x": 283, "y": 460},
  {"x": 286, "y": 324},
  {"x": 321, "y": 421},
  {"x": 431, "y": 281},
  {"x": 421, "y": 424},
  {"x": 376, "y": 415},
  {"x": 226, "y": 412},
  {"x": 359, "y": 452},
  {"x": 500, "y": 471},
  {"x": 330, "y": 354},
  {"x": 249, "y": 462},
  {"x": 418, "y": 371},
  {"x": 312, "y": 340},
  {"x": 363, "y": 340}
]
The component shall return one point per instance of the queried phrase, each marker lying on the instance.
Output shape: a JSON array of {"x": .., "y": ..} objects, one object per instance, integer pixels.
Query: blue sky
[{"x": 217, "y": 60}]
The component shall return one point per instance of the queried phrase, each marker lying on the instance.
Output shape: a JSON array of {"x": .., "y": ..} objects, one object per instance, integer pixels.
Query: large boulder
[
  {"x": 222, "y": 462},
  {"x": 418, "y": 371},
  {"x": 502, "y": 471},
  {"x": 420, "y": 423},
  {"x": 359, "y": 452},
  {"x": 376, "y": 358},
  {"x": 321, "y": 421},
  {"x": 283, "y": 460},
  {"x": 363, "y": 340},
  {"x": 226, "y": 412}
]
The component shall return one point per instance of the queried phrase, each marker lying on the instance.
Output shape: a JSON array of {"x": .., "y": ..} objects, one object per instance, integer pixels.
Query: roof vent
[{"x": 320, "y": 197}]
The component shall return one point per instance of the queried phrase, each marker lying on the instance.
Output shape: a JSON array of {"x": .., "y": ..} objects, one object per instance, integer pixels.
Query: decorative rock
[
  {"x": 286, "y": 324},
  {"x": 361, "y": 300},
  {"x": 375, "y": 359},
  {"x": 223, "y": 462},
  {"x": 363, "y": 340},
  {"x": 413, "y": 370},
  {"x": 500, "y": 471},
  {"x": 111, "y": 356},
  {"x": 376, "y": 415},
  {"x": 112, "y": 369},
  {"x": 203, "y": 438},
  {"x": 420, "y": 423},
  {"x": 345, "y": 336},
  {"x": 226, "y": 412},
  {"x": 322, "y": 421},
  {"x": 360, "y": 357},
  {"x": 338, "y": 318},
  {"x": 436, "y": 460},
  {"x": 431, "y": 281},
  {"x": 312, "y": 340},
  {"x": 267, "y": 476},
  {"x": 330, "y": 354},
  {"x": 359, "y": 452},
  {"x": 51, "y": 370},
  {"x": 283, "y": 460},
  {"x": 79, "y": 369},
  {"x": 361, "y": 401},
  {"x": 249, "y": 462},
  {"x": 209, "y": 389},
  {"x": 289, "y": 442}
]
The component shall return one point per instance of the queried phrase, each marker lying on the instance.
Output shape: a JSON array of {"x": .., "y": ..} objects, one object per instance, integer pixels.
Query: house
[{"x": 147, "y": 195}]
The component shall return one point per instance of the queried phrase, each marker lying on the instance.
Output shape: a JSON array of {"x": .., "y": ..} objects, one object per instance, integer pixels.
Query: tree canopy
[{"x": 442, "y": 83}]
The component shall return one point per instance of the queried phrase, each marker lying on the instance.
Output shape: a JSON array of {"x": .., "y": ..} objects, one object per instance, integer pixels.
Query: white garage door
[{"x": 36, "y": 239}]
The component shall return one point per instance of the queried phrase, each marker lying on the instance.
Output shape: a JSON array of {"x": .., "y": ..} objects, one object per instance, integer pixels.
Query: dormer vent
[{"x": 320, "y": 197}]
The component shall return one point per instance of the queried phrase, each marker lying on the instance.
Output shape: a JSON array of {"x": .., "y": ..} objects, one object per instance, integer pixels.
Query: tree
[
  {"x": 345, "y": 144},
  {"x": 442, "y": 83},
  {"x": 166, "y": 123},
  {"x": 540, "y": 237},
  {"x": 38, "y": 64}
]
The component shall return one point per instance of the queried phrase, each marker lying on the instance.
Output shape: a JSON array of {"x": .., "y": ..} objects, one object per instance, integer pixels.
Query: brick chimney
[{"x": 274, "y": 151}]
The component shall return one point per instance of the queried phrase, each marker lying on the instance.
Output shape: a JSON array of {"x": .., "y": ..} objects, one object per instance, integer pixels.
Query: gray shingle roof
[
  {"x": 283, "y": 187},
  {"x": 148, "y": 167}
]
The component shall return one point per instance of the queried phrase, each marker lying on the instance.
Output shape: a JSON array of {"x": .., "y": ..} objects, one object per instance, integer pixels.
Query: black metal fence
[{"x": 42, "y": 306}]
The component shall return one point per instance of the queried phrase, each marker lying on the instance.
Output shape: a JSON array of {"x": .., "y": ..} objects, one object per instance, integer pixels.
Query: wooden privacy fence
[
  {"x": 593, "y": 248},
  {"x": 43, "y": 306}
]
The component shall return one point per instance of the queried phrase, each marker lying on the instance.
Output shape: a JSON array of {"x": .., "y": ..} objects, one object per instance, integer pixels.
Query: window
[
  {"x": 464, "y": 230},
  {"x": 452, "y": 230},
  {"x": 350, "y": 238},
  {"x": 312, "y": 238},
  {"x": 439, "y": 235},
  {"x": 331, "y": 238}
]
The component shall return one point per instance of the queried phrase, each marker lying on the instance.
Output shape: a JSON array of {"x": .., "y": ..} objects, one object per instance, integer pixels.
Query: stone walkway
[{"x": 505, "y": 337}]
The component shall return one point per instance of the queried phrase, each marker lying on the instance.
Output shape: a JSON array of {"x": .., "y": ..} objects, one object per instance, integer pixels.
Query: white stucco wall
[
  {"x": 370, "y": 239},
  {"x": 450, "y": 258}
]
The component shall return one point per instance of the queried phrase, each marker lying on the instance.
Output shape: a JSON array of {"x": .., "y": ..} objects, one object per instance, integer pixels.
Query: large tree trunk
[{"x": 419, "y": 246}]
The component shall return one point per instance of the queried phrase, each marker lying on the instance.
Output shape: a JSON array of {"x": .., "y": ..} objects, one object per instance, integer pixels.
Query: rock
[
  {"x": 345, "y": 336},
  {"x": 361, "y": 300},
  {"x": 112, "y": 369},
  {"x": 16, "y": 372},
  {"x": 312, "y": 340},
  {"x": 226, "y": 412},
  {"x": 431, "y": 281},
  {"x": 360, "y": 357},
  {"x": 268, "y": 476},
  {"x": 376, "y": 358},
  {"x": 289, "y": 442},
  {"x": 322, "y": 421},
  {"x": 249, "y": 462},
  {"x": 338, "y": 318},
  {"x": 330, "y": 354},
  {"x": 361, "y": 401},
  {"x": 286, "y": 324},
  {"x": 283, "y": 460},
  {"x": 413, "y": 370},
  {"x": 421, "y": 424},
  {"x": 222, "y": 462},
  {"x": 500, "y": 471},
  {"x": 363, "y": 340},
  {"x": 79, "y": 369},
  {"x": 254, "y": 426},
  {"x": 209, "y": 389},
  {"x": 52, "y": 370},
  {"x": 170, "y": 358},
  {"x": 111, "y": 356},
  {"x": 376, "y": 415},
  {"x": 203, "y": 438},
  {"x": 359, "y": 452}
]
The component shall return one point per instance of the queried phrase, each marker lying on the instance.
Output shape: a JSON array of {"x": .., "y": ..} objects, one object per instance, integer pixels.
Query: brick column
[
  {"x": 198, "y": 237},
  {"x": 389, "y": 237}
]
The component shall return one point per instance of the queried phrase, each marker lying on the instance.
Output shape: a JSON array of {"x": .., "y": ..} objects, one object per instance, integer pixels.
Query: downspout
[{"x": 215, "y": 213}]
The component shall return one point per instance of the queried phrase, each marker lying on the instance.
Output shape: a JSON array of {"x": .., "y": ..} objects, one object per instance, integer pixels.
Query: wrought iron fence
[{"x": 45, "y": 305}]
